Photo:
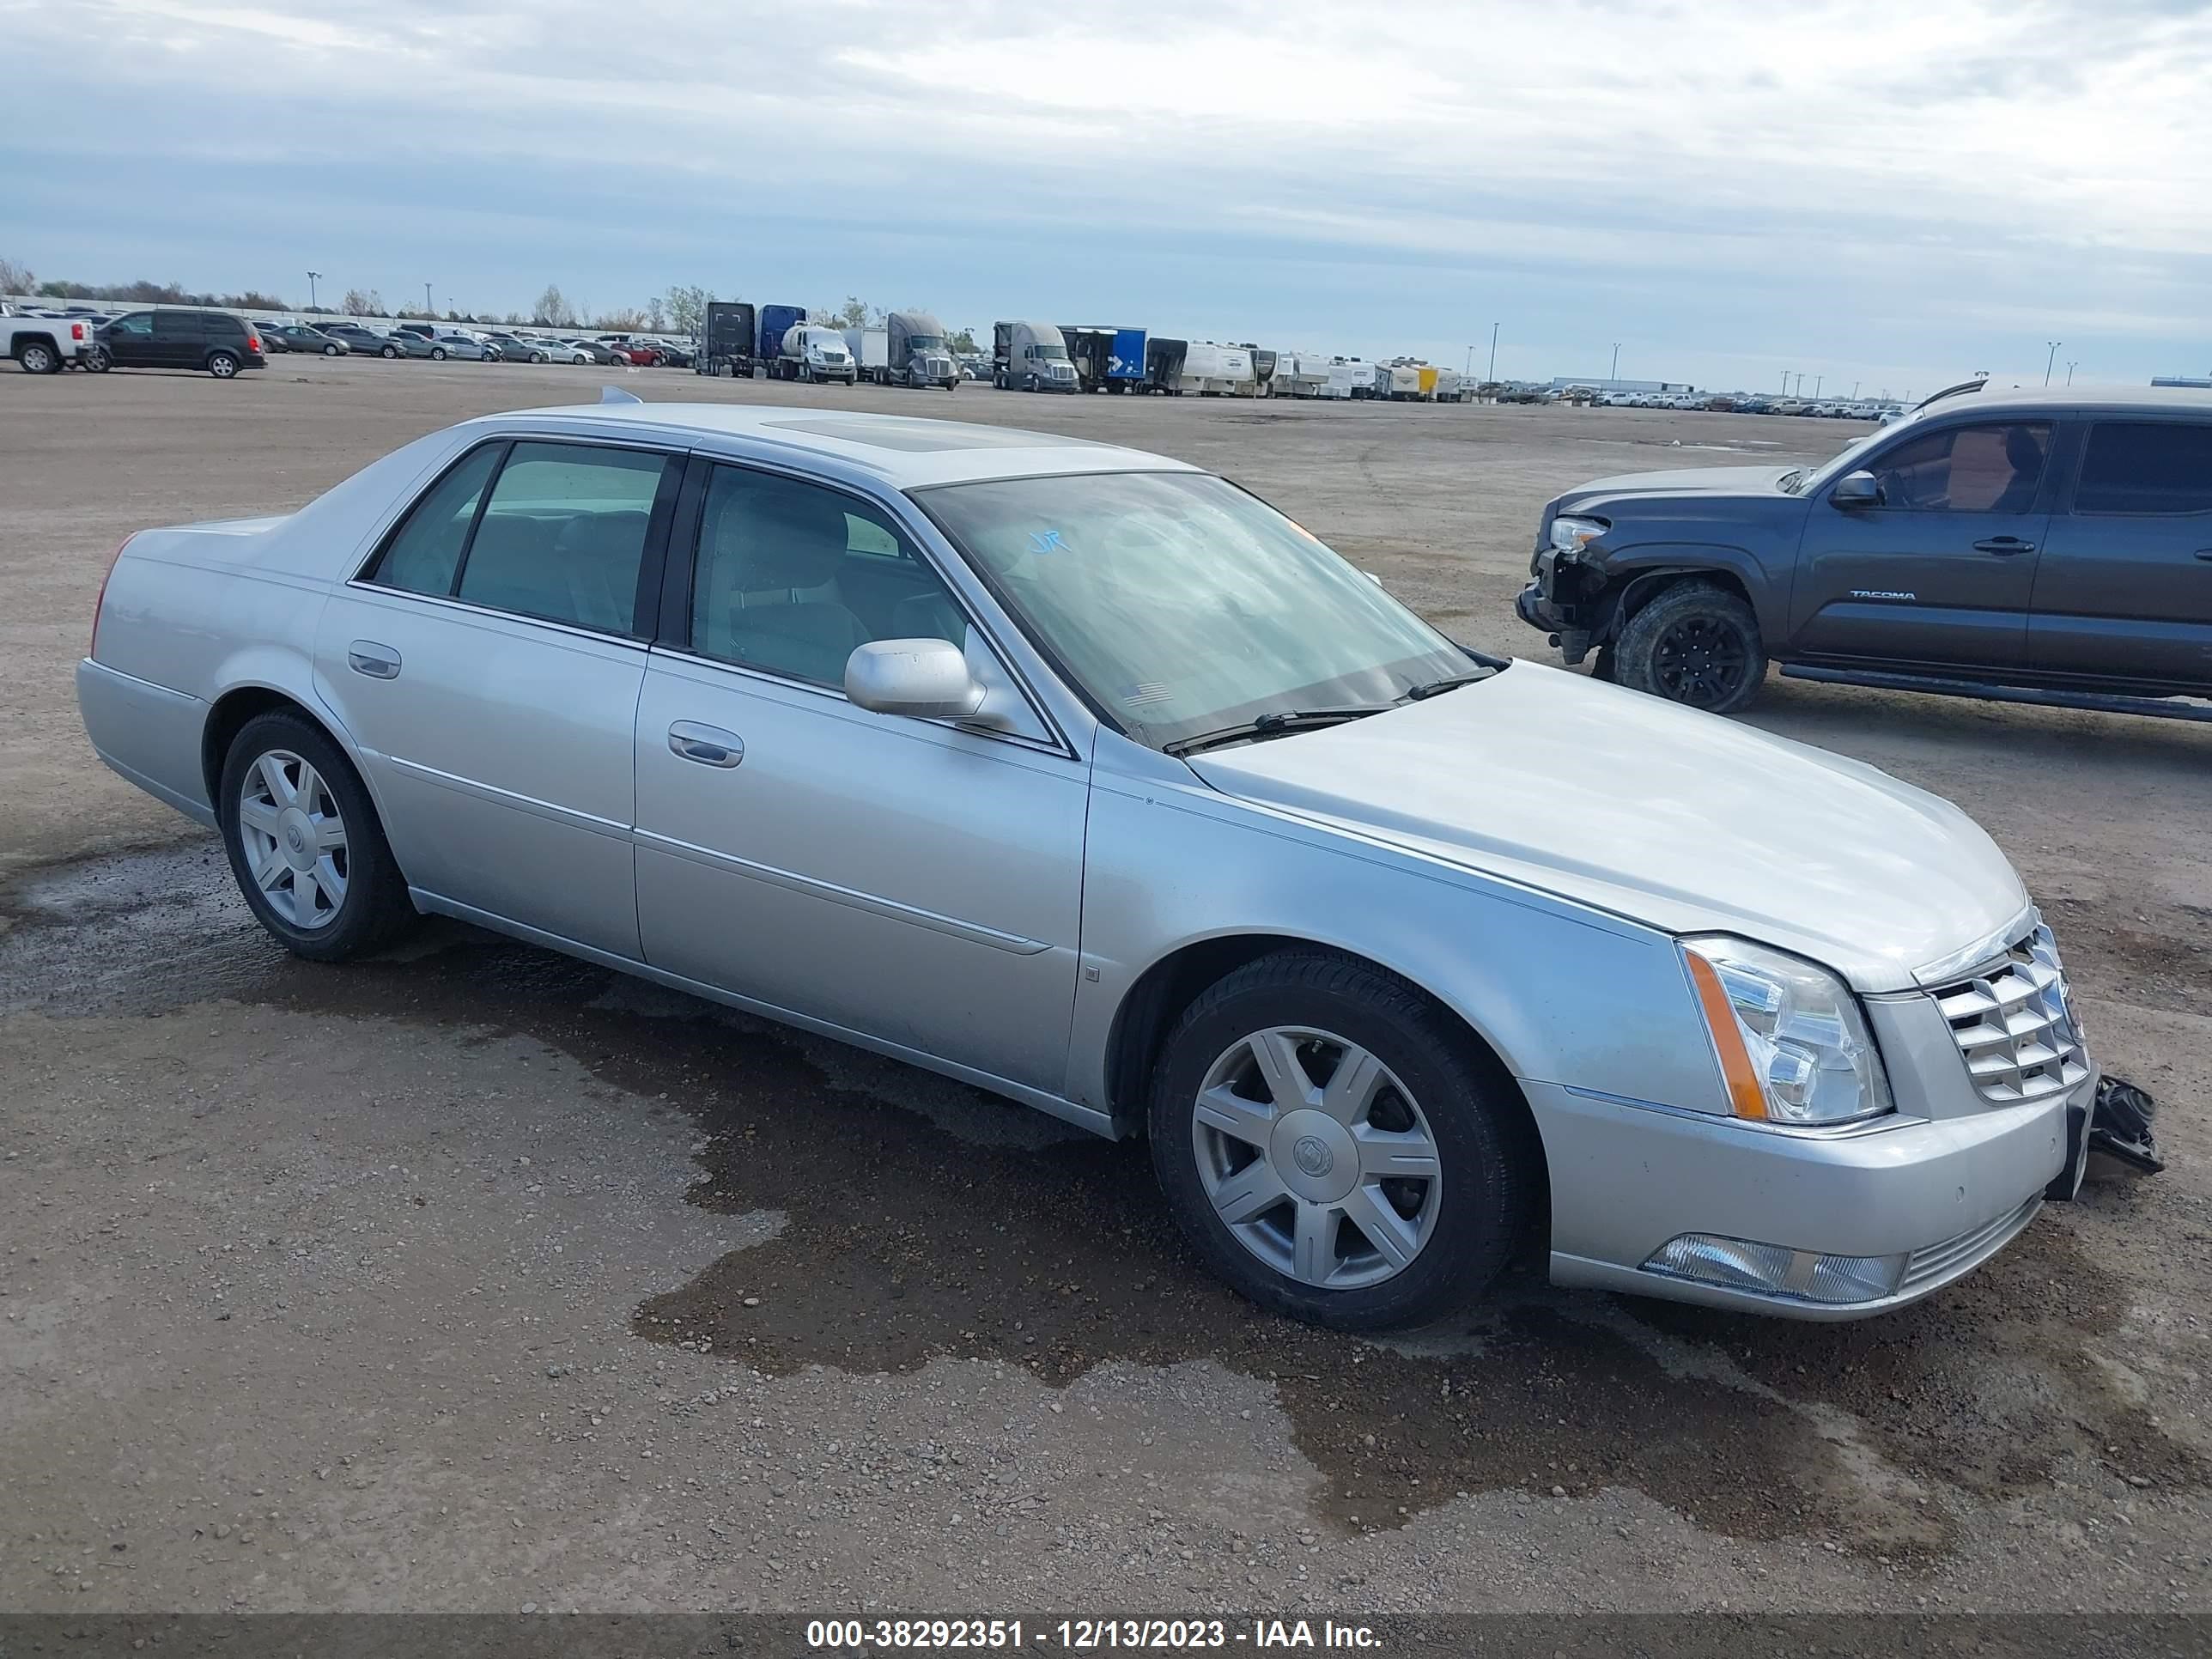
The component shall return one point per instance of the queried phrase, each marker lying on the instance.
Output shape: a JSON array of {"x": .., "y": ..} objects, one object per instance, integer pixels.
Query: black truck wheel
[{"x": 1697, "y": 643}]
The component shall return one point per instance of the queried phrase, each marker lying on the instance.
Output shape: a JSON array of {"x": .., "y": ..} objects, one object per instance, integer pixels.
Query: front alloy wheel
[
  {"x": 1316, "y": 1158},
  {"x": 1697, "y": 644},
  {"x": 1337, "y": 1146}
]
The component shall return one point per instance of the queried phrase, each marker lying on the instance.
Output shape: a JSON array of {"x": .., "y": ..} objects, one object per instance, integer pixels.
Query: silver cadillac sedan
[{"x": 1087, "y": 777}]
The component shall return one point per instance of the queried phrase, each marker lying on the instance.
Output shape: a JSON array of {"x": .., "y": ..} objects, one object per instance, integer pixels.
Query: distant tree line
[{"x": 682, "y": 310}]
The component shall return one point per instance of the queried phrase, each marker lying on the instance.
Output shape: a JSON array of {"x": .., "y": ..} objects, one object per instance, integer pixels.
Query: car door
[
  {"x": 130, "y": 340},
  {"x": 1939, "y": 572},
  {"x": 180, "y": 339},
  {"x": 487, "y": 664},
  {"x": 2123, "y": 589},
  {"x": 917, "y": 882}
]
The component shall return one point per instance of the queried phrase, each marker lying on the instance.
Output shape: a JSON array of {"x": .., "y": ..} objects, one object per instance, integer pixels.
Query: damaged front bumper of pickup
[{"x": 1563, "y": 623}]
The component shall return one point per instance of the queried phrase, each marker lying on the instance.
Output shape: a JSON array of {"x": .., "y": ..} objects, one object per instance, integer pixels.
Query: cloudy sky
[{"x": 1886, "y": 195}]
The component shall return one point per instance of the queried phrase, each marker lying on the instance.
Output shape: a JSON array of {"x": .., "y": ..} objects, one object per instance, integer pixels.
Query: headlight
[
  {"x": 1569, "y": 534},
  {"x": 1793, "y": 1045}
]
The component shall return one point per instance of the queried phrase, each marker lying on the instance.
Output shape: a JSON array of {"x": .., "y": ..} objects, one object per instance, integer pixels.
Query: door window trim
[
  {"x": 672, "y": 635},
  {"x": 659, "y": 520}
]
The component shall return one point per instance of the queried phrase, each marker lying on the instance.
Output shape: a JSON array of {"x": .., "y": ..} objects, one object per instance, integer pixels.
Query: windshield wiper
[
  {"x": 1428, "y": 689},
  {"x": 1274, "y": 724}
]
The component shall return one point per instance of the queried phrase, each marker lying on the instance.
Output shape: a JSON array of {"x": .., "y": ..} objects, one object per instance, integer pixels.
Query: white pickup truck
[{"x": 47, "y": 345}]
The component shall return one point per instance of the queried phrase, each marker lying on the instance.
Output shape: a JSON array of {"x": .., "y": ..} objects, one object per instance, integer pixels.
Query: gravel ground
[{"x": 478, "y": 1279}]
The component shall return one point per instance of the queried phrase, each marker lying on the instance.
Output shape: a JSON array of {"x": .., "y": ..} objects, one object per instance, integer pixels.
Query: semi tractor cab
[{"x": 1031, "y": 357}]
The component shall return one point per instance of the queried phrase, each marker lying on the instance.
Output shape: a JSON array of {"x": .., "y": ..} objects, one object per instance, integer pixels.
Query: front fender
[{"x": 1561, "y": 992}]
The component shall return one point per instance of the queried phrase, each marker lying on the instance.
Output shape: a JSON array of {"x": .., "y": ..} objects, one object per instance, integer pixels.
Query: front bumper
[{"x": 1945, "y": 1190}]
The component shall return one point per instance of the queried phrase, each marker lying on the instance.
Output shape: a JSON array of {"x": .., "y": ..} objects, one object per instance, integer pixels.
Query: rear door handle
[
  {"x": 2004, "y": 545},
  {"x": 2204, "y": 552},
  {"x": 378, "y": 662},
  {"x": 709, "y": 745}
]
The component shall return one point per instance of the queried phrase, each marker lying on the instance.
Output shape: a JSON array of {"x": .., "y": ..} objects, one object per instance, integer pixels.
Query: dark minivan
[
  {"x": 174, "y": 338},
  {"x": 2052, "y": 546}
]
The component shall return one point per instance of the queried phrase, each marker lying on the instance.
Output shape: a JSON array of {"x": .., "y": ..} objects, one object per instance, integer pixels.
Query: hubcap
[
  {"x": 1700, "y": 662},
  {"x": 1317, "y": 1158},
  {"x": 295, "y": 839}
]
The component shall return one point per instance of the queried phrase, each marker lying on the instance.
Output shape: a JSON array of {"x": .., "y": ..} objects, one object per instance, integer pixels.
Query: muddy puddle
[{"x": 914, "y": 1233}]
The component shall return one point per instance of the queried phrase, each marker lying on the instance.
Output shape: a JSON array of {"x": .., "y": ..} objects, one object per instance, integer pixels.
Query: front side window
[
  {"x": 1183, "y": 605},
  {"x": 139, "y": 324},
  {"x": 793, "y": 576},
  {"x": 563, "y": 535},
  {"x": 2144, "y": 466},
  {"x": 1995, "y": 468}
]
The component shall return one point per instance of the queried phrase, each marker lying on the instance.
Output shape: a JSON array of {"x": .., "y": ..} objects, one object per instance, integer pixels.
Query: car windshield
[
  {"x": 925, "y": 343},
  {"x": 1805, "y": 480},
  {"x": 1182, "y": 606}
]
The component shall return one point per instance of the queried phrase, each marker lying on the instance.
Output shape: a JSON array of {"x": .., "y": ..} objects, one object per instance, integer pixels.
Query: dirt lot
[{"x": 477, "y": 1279}]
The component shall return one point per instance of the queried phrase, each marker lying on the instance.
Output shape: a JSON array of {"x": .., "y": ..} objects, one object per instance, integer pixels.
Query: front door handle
[
  {"x": 2204, "y": 552},
  {"x": 709, "y": 745},
  {"x": 2004, "y": 545},
  {"x": 378, "y": 662}
]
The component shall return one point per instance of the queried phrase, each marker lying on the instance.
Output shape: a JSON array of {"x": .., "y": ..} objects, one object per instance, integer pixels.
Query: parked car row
[{"x": 222, "y": 343}]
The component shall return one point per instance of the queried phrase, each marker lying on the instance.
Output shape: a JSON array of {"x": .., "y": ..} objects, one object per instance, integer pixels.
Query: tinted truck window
[
  {"x": 1967, "y": 468},
  {"x": 2137, "y": 466}
]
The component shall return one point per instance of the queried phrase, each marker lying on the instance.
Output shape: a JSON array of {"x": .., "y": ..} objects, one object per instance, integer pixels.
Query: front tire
[
  {"x": 222, "y": 365},
  {"x": 1696, "y": 644},
  {"x": 1337, "y": 1147},
  {"x": 389, "y": 351},
  {"x": 305, "y": 844},
  {"x": 438, "y": 353}
]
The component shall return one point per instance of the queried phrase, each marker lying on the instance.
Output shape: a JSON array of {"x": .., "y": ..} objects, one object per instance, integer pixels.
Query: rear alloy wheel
[
  {"x": 305, "y": 843},
  {"x": 38, "y": 357},
  {"x": 222, "y": 365},
  {"x": 1696, "y": 644},
  {"x": 1335, "y": 1147},
  {"x": 98, "y": 360}
]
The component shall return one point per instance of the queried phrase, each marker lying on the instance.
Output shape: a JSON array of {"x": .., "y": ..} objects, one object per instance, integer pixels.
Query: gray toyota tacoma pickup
[{"x": 2050, "y": 546}]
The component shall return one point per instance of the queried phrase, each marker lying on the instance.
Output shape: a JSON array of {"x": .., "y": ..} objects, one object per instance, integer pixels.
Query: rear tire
[
  {"x": 38, "y": 357},
  {"x": 336, "y": 823},
  {"x": 221, "y": 364},
  {"x": 1696, "y": 644},
  {"x": 330, "y": 351},
  {"x": 1432, "y": 1152}
]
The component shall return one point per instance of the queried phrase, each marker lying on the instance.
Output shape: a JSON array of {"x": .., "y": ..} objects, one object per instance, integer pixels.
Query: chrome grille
[{"x": 2013, "y": 1023}]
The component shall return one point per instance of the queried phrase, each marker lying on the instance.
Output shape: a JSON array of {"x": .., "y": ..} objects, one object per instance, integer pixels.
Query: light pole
[
  {"x": 426, "y": 306},
  {"x": 2052, "y": 358},
  {"x": 2071, "y": 367},
  {"x": 1855, "y": 392},
  {"x": 1493, "y": 352},
  {"x": 1817, "y": 378},
  {"x": 1785, "y": 382},
  {"x": 1468, "y": 372},
  {"x": 1615, "y": 375},
  {"x": 313, "y": 276}
]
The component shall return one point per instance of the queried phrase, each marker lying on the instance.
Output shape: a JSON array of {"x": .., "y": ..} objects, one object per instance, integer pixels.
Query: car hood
[
  {"x": 1680, "y": 820},
  {"x": 1675, "y": 482}
]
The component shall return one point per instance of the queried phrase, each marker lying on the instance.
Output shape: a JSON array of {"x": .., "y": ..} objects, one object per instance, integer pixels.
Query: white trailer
[
  {"x": 871, "y": 350},
  {"x": 1301, "y": 374},
  {"x": 1212, "y": 371},
  {"x": 1350, "y": 377}
]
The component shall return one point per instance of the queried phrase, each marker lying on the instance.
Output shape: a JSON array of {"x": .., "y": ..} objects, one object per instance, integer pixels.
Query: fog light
[
  {"x": 1741, "y": 1264},
  {"x": 1737, "y": 1263}
]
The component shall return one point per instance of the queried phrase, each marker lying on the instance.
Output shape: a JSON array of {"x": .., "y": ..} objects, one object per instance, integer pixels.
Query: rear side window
[
  {"x": 425, "y": 556},
  {"x": 2143, "y": 466},
  {"x": 221, "y": 323},
  {"x": 178, "y": 325},
  {"x": 564, "y": 533}
]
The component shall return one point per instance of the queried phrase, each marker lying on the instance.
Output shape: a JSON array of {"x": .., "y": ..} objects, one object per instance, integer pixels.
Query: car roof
[
  {"x": 2137, "y": 399},
  {"x": 904, "y": 452}
]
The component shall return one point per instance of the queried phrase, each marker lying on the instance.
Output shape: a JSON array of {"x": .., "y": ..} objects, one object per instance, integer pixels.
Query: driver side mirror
[
  {"x": 922, "y": 679},
  {"x": 1855, "y": 489}
]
